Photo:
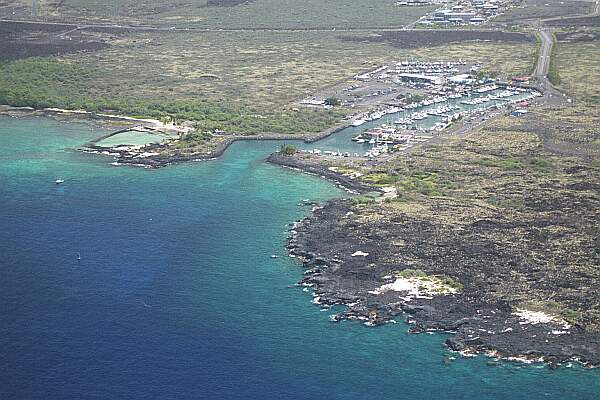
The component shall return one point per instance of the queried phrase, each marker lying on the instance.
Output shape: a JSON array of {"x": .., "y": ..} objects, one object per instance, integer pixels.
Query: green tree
[
  {"x": 332, "y": 101},
  {"x": 288, "y": 150}
]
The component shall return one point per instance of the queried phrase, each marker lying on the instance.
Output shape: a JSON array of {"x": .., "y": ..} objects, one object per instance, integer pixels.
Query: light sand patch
[
  {"x": 535, "y": 317},
  {"x": 389, "y": 193},
  {"x": 540, "y": 317},
  {"x": 417, "y": 287},
  {"x": 346, "y": 172}
]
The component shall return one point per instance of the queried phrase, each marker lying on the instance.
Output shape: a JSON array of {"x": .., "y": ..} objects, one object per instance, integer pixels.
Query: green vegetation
[
  {"x": 552, "y": 308},
  {"x": 368, "y": 198},
  {"x": 248, "y": 14},
  {"x": 536, "y": 55},
  {"x": 380, "y": 178},
  {"x": 41, "y": 83},
  {"x": 415, "y": 182},
  {"x": 508, "y": 59},
  {"x": 444, "y": 280},
  {"x": 577, "y": 66},
  {"x": 409, "y": 182},
  {"x": 425, "y": 183},
  {"x": 542, "y": 164},
  {"x": 332, "y": 101},
  {"x": 196, "y": 136},
  {"x": 503, "y": 163},
  {"x": 451, "y": 282},
  {"x": 412, "y": 273},
  {"x": 486, "y": 74},
  {"x": 288, "y": 149},
  {"x": 553, "y": 74},
  {"x": 239, "y": 82}
]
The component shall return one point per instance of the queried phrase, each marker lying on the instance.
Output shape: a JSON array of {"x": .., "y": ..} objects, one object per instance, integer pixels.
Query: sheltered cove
[{"x": 337, "y": 269}]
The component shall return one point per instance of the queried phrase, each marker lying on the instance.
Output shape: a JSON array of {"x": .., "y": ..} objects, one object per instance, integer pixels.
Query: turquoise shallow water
[{"x": 176, "y": 296}]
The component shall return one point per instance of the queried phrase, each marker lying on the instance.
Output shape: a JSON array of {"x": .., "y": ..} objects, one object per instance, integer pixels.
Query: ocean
[{"x": 176, "y": 295}]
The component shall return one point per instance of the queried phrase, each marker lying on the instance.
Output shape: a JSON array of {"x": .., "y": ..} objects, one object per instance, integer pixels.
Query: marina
[{"x": 429, "y": 98}]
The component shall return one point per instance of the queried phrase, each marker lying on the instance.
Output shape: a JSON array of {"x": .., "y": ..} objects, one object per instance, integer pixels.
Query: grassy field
[
  {"x": 578, "y": 65},
  {"x": 248, "y": 14}
]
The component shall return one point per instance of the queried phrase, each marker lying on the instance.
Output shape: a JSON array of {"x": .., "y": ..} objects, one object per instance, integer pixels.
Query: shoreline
[
  {"x": 127, "y": 157},
  {"x": 146, "y": 156},
  {"x": 337, "y": 276},
  {"x": 451, "y": 314},
  {"x": 344, "y": 182},
  {"x": 347, "y": 262}
]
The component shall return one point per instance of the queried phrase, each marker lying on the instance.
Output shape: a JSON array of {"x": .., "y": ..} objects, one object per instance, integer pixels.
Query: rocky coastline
[
  {"x": 348, "y": 262},
  {"x": 322, "y": 171}
]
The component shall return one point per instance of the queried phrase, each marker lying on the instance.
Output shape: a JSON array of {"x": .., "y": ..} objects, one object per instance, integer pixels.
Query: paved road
[
  {"x": 551, "y": 95},
  {"x": 543, "y": 65}
]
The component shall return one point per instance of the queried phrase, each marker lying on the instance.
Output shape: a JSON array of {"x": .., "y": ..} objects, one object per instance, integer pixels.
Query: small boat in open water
[{"x": 59, "y": 181}]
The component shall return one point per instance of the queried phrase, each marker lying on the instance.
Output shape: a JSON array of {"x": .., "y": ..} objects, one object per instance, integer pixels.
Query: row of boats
[
  {"x": 404, "y": 132},
  {"x": 490, "y": 97},
  {"x": 447, "y": 110},
  {"x": 376, "y": 115},
  {"x": 390, "y": 135}
]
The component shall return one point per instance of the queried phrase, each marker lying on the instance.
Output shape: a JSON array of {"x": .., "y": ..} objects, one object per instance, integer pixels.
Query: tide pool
[{"x": 176, "y": 295}]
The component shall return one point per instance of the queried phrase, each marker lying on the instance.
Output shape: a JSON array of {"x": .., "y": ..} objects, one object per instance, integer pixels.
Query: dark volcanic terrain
[
  {"x": 21, "y": 40},
  {"x": 504, "y": 228}
]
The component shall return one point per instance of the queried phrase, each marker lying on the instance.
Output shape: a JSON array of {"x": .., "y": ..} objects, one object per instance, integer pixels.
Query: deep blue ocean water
[{"x": 176, "y": 295}]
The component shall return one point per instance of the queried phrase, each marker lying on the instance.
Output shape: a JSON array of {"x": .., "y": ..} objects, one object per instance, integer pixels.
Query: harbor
[{"x": 427, "y": 99}]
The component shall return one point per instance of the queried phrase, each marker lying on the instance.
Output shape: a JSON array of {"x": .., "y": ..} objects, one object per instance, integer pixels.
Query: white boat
[
  {"x": 358, "y": 122},
  {"x": 59, "y": 181},
  {"x": 377, "y": 115}
]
